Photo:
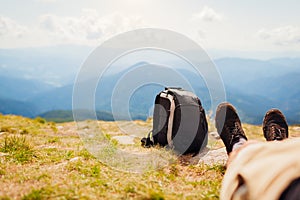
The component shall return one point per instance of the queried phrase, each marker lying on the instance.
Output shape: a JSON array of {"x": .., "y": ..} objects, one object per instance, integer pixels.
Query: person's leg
[
  {"x": 275, "y": 126},
  {"x": 292, "y": 191},
  {"x": 229, "y": 127}
]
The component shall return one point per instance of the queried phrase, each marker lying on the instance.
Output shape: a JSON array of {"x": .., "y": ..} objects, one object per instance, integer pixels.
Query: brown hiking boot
[
  {"x": 228, "y": 125},
  {"x": 275, "y": 126}
]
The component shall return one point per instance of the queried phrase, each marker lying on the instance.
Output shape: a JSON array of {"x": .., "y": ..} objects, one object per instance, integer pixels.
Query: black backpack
[{"x": 179, "y": 122}]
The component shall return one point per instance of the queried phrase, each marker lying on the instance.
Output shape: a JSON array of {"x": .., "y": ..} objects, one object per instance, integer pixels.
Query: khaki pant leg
[{"x": 262, "y": 170}]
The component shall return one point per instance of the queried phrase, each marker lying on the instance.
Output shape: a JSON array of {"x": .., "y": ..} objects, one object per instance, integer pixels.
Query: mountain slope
[
  {"x": 56, "y": 65},
  {"x": 10, "y": 106},
  {"x": 253, "y": 86},
  {"x": 55, "y": 99},
  {"x": 21, "y": 89}
]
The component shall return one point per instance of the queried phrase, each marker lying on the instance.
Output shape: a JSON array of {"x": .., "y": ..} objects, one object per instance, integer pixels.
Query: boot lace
[
  {"x": 235, "y": 131},
  {"x": 277, "y": 132}
]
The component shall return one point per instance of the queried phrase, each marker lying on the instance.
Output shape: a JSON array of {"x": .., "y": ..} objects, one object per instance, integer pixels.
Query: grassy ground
[{"x": 41, "y": 160}]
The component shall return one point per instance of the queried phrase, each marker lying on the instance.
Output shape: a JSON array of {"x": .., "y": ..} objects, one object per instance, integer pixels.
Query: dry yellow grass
[{"x": 58, "y": 166}]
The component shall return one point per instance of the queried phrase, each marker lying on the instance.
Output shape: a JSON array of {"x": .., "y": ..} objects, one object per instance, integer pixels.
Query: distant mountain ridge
[
  {"x": 55, "y": 65},
  {"x": 11, "y": 106},
  {"x": 253, "y": 86},
  {"x": 21, "y": 89}
]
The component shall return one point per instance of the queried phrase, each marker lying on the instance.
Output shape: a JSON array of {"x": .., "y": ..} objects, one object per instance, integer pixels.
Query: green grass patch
[
  {"x": 40, "y": 120},
  {"x": 4, "y": 198},
  {"x": 18, "y": 148}
]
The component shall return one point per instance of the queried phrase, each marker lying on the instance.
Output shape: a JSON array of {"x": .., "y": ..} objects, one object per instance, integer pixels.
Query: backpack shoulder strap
[
  {"x": 170, "y": 97},
  {"x": 170, "y": 122}
]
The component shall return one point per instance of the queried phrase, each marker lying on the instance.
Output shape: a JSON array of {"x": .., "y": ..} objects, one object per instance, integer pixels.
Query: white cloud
[
  {"x": 46, "y": 1},
  {"x": 88, "y": 27},
  {"x": 202, "y": 34},
  {"x": 10, "y": 28},
  {"x": 286, "y": 35},
  {"x": 208, "y": 14},
  {"x": 71, "y": 29}
]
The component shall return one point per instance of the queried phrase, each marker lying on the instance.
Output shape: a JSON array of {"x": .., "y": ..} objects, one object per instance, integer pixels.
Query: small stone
[
  {"x": 216, "y": 156},
  {"x": 74, "y": 159},
  {"x": 124, "y": 139},
  {"x": 3, "y": 154}
]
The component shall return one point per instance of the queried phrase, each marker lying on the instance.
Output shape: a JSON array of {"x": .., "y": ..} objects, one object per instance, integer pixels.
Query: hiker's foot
[
  {"x": 229, "y": 126},
  {"x": 275, "y": 126}
]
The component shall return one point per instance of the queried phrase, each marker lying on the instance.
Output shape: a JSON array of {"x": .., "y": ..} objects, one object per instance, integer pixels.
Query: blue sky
[{"x": 267, "y": 28}]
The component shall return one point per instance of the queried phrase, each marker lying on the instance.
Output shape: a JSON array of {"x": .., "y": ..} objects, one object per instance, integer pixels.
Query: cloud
[
  {"x": 88, "y": 27},
  {"x": 208, "y": 14},
  {"x": 286, "y": 35},
  {"x": 46, "y": 1},
  {"x": 10, "y": 28},
  {"x": 83, "y": 28}
]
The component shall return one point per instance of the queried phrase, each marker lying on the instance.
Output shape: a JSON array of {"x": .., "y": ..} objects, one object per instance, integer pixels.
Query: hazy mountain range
[{"x": 36, "y": 81}]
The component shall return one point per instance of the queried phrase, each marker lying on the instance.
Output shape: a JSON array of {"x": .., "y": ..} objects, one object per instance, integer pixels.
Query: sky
[{"x": 257, "y": 28}]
